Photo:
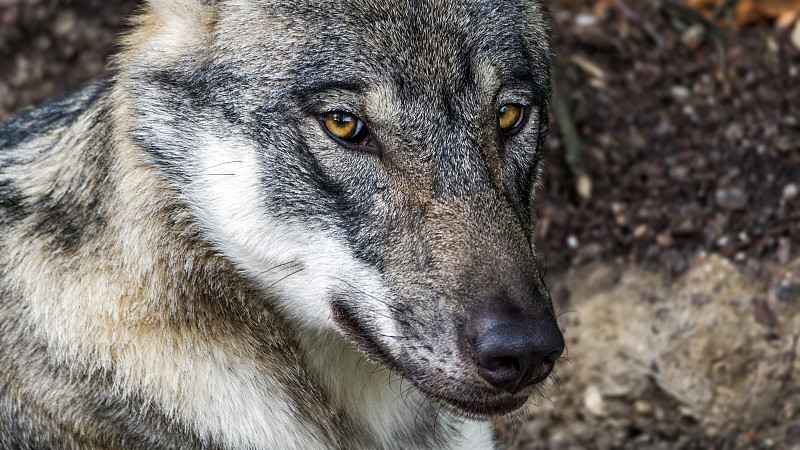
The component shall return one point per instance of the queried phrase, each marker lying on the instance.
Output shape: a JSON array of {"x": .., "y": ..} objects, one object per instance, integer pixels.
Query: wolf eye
[
  {"x": 510, "y": 118},
  {"x": 349, "y": 130}
]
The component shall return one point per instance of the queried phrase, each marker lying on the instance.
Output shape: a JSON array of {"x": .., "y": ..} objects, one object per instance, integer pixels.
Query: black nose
[{"x": 514, "y": 352}]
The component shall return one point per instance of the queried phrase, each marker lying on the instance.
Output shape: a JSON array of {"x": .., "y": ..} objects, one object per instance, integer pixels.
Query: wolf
[{"x": 282, "y": 224}]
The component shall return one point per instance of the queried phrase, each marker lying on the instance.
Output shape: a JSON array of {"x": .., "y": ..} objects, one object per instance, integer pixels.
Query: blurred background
[{"x": 670, "y": 215}]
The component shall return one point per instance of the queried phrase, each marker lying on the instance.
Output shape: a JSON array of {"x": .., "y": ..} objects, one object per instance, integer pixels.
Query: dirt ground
[{"x": 677, "y": 275}]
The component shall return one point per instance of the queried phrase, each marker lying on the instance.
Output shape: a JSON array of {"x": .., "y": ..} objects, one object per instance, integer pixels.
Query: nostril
[
  {"x": 543, "y": 369},
  {"x": 503, "y": 372},
  {"x": 506, "y": 363}
]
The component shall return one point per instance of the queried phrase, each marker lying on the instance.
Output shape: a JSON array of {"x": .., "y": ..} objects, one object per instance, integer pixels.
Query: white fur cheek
[{"x": 302, "y": 266}]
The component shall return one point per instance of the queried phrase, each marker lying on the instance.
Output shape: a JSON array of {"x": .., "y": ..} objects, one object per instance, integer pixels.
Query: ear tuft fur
[{"x": 168, "y": 30}]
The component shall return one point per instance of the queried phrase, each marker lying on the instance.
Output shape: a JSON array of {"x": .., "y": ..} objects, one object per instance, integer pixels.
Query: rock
[
  {"x": 679, "y": 173},
  {"x": 784, "y": 250},
  {"x": 792, "y": 436},
  {"x": 700, "y": 299},
  {"x": 680, "y": 93},
  {"x": 786, "y": 292},
  {"x": 642, "y": 407},
  {"x": 762, "y": 312},
  {"x": 694, "y": 36},
  {"x": 790, "y": 191},
  {"x": 648, "y": 358},
  {"x": 733, "y": 198},
  {"x": 593, "y": 401}
]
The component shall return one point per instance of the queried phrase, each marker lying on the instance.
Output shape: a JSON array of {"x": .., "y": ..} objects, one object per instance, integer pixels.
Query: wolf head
[{"x": 372, "y": 166}]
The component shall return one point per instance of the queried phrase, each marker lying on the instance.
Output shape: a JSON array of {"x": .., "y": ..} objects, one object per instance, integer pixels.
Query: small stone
[
  {"x": 64, "y": 23},
  {"x": 593, "y": 400},
  {"x": 572, "y": 241},
  {"x": 654, "y": 367},
  {"x": 674, "y": 261},
  {"x": 762, "y": 313},
  {"x": 735, "y": 131},
  {"x": 790, "y": 191},
  {"x": 584, "y": 186},
  {"x": 792, "y": 436},
  {"x": 663, "y": 128},
  {"x": 772, "y": 45},
  {"x": 640, "y": 231},
  {"x": 784, "y": 250},
  {"x": 753, "y": 268},
  {"x": 650, "y": 297},
  {"x": 642, "y": 407},
  {"x": 771, "y": 336},
  {"x": 679, "y": 173},
  {"x": 694, "y": 36},
  {"x": 680, "y": 92},
  {"x": 620, "y": 216},
  {"x": 585, "y": 20},
  {"x": 733, "y": 198},
  {"x": 786, "y": 292},
  {"x": 700, "y": 299}
]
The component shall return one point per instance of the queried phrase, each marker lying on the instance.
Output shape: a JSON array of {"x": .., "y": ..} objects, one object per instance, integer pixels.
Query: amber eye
[
  {"x": 349, "y": 131},
  {"x": 344, "y": 126},
  {"x": 511, "y": 117},
  {"x": 341, "y": 125}
]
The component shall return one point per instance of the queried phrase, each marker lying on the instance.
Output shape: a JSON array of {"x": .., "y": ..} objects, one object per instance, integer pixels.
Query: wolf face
[{"x": 372, "y": 166}]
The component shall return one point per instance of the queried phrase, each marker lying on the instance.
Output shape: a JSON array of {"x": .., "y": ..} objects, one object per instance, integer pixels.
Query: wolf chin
[{"x": 281, "y": 224}]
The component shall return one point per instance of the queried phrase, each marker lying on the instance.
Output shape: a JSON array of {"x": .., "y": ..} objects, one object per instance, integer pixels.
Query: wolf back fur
[{"x": 187, "y": 260}]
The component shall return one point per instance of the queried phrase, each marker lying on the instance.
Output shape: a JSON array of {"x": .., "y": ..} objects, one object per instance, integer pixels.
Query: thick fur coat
[{"x": 188, "y": 259}]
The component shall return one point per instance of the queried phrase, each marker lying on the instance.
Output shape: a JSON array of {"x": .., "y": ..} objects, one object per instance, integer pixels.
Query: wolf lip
[{"x": 483, "y": 407}]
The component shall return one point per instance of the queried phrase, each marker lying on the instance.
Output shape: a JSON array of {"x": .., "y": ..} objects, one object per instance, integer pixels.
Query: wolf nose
[{"x": 513, "y": 353}]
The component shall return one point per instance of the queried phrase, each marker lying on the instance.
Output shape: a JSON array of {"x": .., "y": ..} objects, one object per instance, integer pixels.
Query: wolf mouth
[
  {"x": 470, "y": 402},
  {"x": 482, "y": 407}
]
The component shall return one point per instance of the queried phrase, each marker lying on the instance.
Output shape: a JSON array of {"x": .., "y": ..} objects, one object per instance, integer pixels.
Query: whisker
[
  {"x": 287, "y": 276},
  {"x": 394, "y": 308},
  {"x": 289, "y": 263},
  {"x": 221, "y": 164},
  {"x": 570, "y": 311}
]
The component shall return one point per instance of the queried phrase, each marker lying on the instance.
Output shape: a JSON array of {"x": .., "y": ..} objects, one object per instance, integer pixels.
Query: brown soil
[
  {"x": 688, "y": 150},
  {"x": 675, "y": 274}
]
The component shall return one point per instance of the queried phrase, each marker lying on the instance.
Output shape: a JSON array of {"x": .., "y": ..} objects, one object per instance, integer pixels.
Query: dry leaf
[{"x": 785, "y": 12}]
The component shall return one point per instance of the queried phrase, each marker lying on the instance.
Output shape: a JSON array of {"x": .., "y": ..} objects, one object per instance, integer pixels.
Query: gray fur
[{"x": 182, "y": 242}]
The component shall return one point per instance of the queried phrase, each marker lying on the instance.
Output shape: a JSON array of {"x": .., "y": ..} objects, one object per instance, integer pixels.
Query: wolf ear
[{"x": 166, "y": 30}]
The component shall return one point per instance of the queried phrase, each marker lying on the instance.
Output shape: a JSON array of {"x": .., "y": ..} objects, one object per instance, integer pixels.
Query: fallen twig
[
  {"x": 727, "y": 7},
  {"x": 572, "y": 144},
  {"x": 634, "y": 17}
]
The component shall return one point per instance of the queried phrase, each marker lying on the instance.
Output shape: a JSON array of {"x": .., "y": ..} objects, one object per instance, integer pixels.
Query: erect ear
[{"x": 170, "y": 29}]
